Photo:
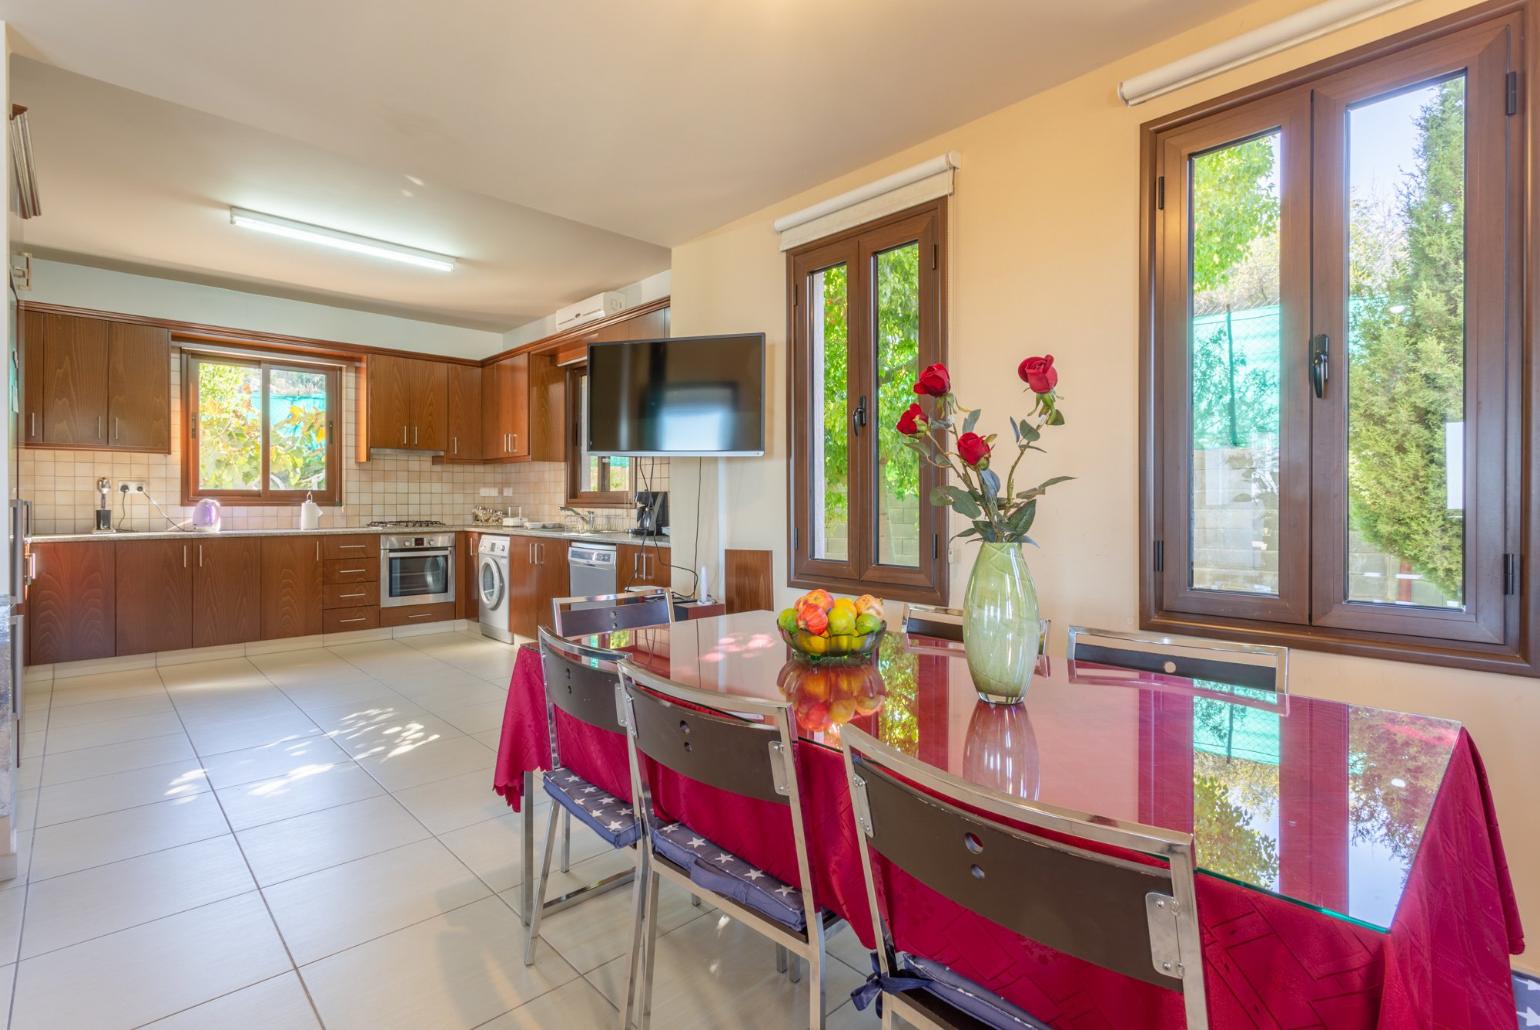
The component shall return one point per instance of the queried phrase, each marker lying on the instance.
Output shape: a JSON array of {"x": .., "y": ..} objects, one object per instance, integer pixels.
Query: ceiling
[{"x": 560, "y": 147}]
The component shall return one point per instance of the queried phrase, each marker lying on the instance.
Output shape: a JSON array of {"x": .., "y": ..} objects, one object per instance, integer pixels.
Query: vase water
[{"x": 1002, "y": 629}]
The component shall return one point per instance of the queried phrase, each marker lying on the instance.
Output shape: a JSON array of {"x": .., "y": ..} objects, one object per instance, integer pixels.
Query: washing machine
[{"x": 492, "y": 587}]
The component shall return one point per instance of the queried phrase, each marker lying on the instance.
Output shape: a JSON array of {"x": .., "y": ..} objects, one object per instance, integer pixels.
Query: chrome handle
[
  {"x": 34, "y": 424},
  {"x": 318, "y": 550},
  {"x": 101, "y": 428},
  {"x": 348, "y": 547},
  {"x": 352, "y": 595},
  {"x": 414, "y": 436},
  {"x": 403, "y": 435},
  {"x": 420, "y": 615},
  {"x": 456, "y": 441},
  {"x": 200, "y": 556},
  {"x": 184, "y": 556},
  {"x": 515, "y": 444},
  {"x": 344, "y": 622},
  {"x": 344, "y": 572},
  {"x": 117, "y": 428},
  {"x": 31, "y": 566}
]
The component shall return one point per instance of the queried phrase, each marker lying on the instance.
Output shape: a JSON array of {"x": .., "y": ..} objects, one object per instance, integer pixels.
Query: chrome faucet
[{"x": 586, "y": 517}]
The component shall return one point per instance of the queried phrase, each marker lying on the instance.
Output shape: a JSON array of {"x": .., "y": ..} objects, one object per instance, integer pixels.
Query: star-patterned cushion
[
  {"x": 1526, "y": 991},
  {"x": 963, "y": 994},
  {"x": 724, "y": 873},
  {"x": 610, "y": 817}
]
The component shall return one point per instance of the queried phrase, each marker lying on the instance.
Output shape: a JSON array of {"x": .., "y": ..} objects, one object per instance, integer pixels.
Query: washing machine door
[{"x": 492, "y": 583}]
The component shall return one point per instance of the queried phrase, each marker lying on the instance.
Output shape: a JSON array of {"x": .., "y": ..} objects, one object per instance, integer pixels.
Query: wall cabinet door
[
  {"x": 291, "y": 586},
  {"x": 154, "y": 595},
  {"x": 642, "y": 565},
  {"x": 430, "y": 406},
  {"x": 74, "y": 377},
  {"x": 138, "y": 387},
  {"x": 227, "y": 591},
  {"x": 505, "y": 396},
  {"x": 388, "y": 396},
  {"x": 70, "y": 603},
  {"x": 31, "y": 326},
  {"x": 464, "y": 417}
]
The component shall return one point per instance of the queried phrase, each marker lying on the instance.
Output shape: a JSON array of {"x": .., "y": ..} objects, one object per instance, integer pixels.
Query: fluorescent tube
[{"x": 341, "y": 240}]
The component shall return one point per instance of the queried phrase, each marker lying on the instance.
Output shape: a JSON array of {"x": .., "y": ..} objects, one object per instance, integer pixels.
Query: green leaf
[
  {"x": 1029, "y": 432},
  {"x": 972, "y": 420},
  {"x": 1021, "y": 519},
  {"x": 941, "y": 495},
  {"x": 1056, "y": 417},
  {"x": 964, "y": 504},
  {"x": 991, "y": 483}
]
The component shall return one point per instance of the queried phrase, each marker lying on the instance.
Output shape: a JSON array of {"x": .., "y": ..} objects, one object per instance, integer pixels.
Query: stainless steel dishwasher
[{"x": 591, "y": 568}]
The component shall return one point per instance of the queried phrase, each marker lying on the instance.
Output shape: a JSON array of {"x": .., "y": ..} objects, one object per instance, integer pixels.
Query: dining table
[{"x": 1350, "y": 869}]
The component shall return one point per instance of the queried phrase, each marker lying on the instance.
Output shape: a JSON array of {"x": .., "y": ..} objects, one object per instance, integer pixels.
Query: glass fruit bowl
[{"x": 830, "y": 648}]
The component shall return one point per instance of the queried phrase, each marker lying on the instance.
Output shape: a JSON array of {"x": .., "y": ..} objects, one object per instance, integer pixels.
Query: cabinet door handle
[
  {"x": 414, "y": 436},
  {"x": 117, "y": 428},
  {"x": 421, "y": 615},
  {"x": 34, "y": 425},
  {"x": 200, "y": 556},
  {"x": 515, "y": 444},
  {"x": 318, "y": 550},
  {"x": 352, "y": 595},
  {"x": 347, "y": 571},
  {"x": 101, "y": 428},
  {"x": 403, "y": 436},
  {"x": 184, "y": 556},
  {"x": 358, "y": 619},
  {"x": 348, "y": 547},
  {"x": 456, "y": 441}
]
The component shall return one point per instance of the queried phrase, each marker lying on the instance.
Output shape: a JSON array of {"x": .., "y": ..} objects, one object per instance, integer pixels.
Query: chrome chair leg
[
  {"x": 533, "y": 930},
  {"x": 780, "y": 960},
  {"x": 794, "y": 974},
  {"x": 652, "y": 948},
  {"x": 815, "y": 963},
  {"x": 695, "y": 901},
  {"x": 566, "y": 841},
  {"x": 634, "y": 956},
  {"x": 527, "y": 829}
]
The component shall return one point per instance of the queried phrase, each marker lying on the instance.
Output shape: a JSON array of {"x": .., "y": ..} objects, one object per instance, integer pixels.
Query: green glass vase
[{"x": 1001, "y": 626}]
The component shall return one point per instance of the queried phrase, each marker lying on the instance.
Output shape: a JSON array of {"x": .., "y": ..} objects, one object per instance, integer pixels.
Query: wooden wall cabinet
[
  {"x": 464, "y": 418},
  {"x": 642, "y": 565},
  {"x": 524, "y": 409},
  {"x": 70, "y": 603},
  {"x": 537, "y": 575},
  {"x": 91, "y": 383},
  {"x": 291, "y": 586},
  {"x": 403, "y": 404}
]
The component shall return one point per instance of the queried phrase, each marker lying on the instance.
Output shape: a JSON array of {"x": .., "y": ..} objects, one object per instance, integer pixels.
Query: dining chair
[
  {"x": 1017, "y": 864},
  {"x": 582, "y": 683},
  {"x": 1223, "y": 662},
  {"x": 946, "y": 624},
  {"x": 604, "y": 613},
  {"x": 742, "y": 746}
]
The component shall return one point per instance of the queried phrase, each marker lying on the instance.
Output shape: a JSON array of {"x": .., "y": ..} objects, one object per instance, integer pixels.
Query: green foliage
[
  {"x": 1230, "y": 846},
  {"x": 230, "y": 428},
  {"x": 1234, "y": 203}
]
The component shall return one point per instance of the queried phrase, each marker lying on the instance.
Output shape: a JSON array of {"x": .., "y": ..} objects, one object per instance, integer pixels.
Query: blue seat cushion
[
  {"x": 610, "y": 817},
  {"x": 722, "y": 872},
  {"x": 940, "y": 982}
]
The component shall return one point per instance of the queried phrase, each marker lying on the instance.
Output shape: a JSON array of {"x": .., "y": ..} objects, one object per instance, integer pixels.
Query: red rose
[
  {"x": 907, "y": 422},
  {"x": 934, "y": 381},
  {"x": 972, "y": 449},
  {"x": 1039, "y": 373}
]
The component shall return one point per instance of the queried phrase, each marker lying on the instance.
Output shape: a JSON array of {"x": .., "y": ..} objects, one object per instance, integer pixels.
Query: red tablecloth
[{"x": 1269, "y": 962}]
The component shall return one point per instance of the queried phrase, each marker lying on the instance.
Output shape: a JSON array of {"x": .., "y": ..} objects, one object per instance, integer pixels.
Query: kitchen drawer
[
  {"x": 346, "y": 620},
  {"x": 350, "y": 595},
  {"x": 351, "y": 570},
  {"x": 362, "y": 546},
  {"x": 412, "y": 614}
]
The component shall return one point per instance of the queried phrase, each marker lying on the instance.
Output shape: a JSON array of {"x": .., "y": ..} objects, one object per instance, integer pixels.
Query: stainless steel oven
[{"x": 416, "y": 569}]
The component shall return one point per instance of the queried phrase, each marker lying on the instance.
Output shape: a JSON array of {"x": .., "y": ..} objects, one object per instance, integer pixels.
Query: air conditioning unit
[{"x": 600, "y": 305}]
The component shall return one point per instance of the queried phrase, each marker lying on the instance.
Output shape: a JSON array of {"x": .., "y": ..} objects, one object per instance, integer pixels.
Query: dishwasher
[{"x": 591, "y": 568}]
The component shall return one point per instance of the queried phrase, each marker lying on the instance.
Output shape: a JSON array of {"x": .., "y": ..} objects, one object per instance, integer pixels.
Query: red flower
[
  {"x": 934, "y": 381},
  {"x": 907, "y": 421},
  {"x": 972, "y": 449},
  {"x": 1039, "y": 373}
]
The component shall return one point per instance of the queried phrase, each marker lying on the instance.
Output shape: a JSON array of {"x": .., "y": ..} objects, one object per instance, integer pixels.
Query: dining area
[{"x": 1157, "y": 831}]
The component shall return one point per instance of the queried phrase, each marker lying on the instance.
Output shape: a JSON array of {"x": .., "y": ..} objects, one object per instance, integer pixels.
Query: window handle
[
  {"x": 858, "y": 417},
  {"x": 1320, "y": 363}
]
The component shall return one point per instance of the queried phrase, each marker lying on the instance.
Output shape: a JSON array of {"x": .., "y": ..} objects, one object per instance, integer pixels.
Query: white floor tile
[
  {"x": 492, "y": 850},
  {"x": 232, "y": 768},
  {"x": 457, "y": 801},
  {"x": 306, "y": 789},
  {"x": 388, "y": 729},
  {"x": 276, "y": 1004},
  {"x": 114, "y": 731},
  {"x": 264, "y": 731},
  {"x": 599, "y": 929},
  {"x": 476, "y": 972},
  {"x": 68, "y": 847},
  {"x": 12, "y": 903},
  {"x": 70, "y": 909},
  {"x": 574, "y": 1005},
  {"x": 150, "y": 971},
  {"x": 337, "y": 908},
  {"x": 106, "y": 711},
  {"x": 112, "y": 686},
  {"x": 211, "y": 677},
  {"x": 308, "y": 843},
  {"x": 325, "y": 697},
  {"x": 115, "y": 758},
  {"x": 264, "y": 647},
  {"x": 79, "y": 799},
  {"x": 411, "y": 765},
  {"x": 484, "y": 717}
]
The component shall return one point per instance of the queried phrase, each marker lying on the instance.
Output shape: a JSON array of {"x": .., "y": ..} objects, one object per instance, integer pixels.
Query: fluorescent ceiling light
[{"x": 339, "y": 239}]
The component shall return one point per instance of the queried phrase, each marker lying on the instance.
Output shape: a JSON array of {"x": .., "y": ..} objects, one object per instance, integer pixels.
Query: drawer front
[
  {"x": 412, "y": 614},
  {"x": 334, "y": 547},
  {"x": 346, "y": 620},
  {"x": 350, "y": 595},
  {"x": 351, "y": 570}
]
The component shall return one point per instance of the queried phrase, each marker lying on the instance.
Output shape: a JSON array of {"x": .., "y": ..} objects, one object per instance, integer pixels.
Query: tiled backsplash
[{"x": 62, "y": 484}]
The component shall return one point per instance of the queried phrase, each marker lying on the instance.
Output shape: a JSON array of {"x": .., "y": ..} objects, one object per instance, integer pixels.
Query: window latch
[
  {"x": 858, "y": 417},
  {"x": 1320, "y": 363}
]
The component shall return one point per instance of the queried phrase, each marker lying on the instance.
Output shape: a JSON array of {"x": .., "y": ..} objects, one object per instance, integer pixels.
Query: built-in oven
[{"x": 417, "y": 569}]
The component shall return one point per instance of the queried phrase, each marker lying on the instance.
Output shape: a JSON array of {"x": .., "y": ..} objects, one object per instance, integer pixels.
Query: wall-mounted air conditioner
[{"x": 600, "y": 305}]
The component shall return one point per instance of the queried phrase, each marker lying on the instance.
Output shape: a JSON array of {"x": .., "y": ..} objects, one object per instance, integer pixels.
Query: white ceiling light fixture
[{"x": 287, "y": 227}]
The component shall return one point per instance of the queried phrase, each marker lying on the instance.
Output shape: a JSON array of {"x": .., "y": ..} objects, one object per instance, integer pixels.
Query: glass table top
[{"x": 1319, "y": 802}]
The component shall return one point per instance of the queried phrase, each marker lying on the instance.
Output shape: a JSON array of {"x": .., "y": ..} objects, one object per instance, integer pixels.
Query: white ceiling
[{"x": 652, "y": 121}]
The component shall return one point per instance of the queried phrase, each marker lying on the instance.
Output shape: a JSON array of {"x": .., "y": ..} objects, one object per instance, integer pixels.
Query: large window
[
  {"x": 866, "y": 316},
  {"x": 593, "y": 481},
  {"x": 259, "y": 432},
  {"x": 1335, "y": 376}
]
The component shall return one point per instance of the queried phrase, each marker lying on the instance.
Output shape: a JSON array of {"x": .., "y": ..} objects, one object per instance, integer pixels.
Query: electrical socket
[{"x": 131, "y": 486}]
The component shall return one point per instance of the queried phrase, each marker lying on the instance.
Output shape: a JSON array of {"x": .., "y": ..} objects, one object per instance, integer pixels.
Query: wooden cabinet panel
[
  {"x": 70, "y": 605},
  {"x": 385, "y": 395},
  {"x": 350, "y": 570},
  {"x": 365, "y": 545},
  {"x": 537, "y": 574},
  {"x": 291, "y": 586},
  {"x": 516, "y": 417},
  {"x": 154, "y": 595},
  {"x": 74, "y": 376},
  {"x": 350, "y": 595},
  {"x": 227, "y": 591},
  {"x": 413, "y": 614},
  {"x": 139, "y": 387},
  {"x": 494, "y": 403},
  {"x": 642, "y": 565},
  {"x": 31, "y": 326},
  {"x": 464, "y": 420},
  {"x": 349, "y": 620},
  {"x": 547, "y": 418},
  {"x": 430, "y": 405},
  {"x": 505, "y": 401},
  {"x": 555, "y": 577}
]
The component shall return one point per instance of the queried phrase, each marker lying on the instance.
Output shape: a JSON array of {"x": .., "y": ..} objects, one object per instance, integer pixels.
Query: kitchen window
[
  {"x": 866, "y": 314},
  {"x": 1334, "y": 378},
  {"x": 259, "y": 431},
  {"x": 593, "y": 481}
]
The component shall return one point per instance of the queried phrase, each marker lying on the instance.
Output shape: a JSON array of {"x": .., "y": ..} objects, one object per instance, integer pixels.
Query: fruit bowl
[
  {"x": 846, "y": 647},
  {"x": 821, "y": 628}
]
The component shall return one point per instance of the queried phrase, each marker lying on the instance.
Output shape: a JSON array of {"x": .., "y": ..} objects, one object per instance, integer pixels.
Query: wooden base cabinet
[
  {"x": 227, "y": 591},
  {"x": 154, "y": 595},
  {"x": 537, "y": 575},
  {"x": 642, "y": 565},
  {"x": 291, "y": 586},
  {"x": 71, "y": 601}
]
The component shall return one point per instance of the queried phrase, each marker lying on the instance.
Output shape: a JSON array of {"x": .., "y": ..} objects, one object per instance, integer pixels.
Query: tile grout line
[{"x": 26, "y": 898}]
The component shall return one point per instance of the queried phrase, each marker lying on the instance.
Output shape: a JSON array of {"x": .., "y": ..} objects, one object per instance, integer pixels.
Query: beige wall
[{"x": 1044, "y": 237}]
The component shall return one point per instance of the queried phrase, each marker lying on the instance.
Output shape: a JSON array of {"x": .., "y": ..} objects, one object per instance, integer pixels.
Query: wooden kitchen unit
[
  {"x": 95, "y": 383},
  {"x": 642, "y": 565},
  {"x": 537, "y": 575}
]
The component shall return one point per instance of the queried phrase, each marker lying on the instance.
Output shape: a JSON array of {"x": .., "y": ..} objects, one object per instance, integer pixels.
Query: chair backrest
[
  {"x": 1256, "y": 666},
  {"x": 581, "y": 681},
  {"x": 963, "y": 842},
  {"x": 946, "y": 624},
  {"x": 604, "y": 613}
]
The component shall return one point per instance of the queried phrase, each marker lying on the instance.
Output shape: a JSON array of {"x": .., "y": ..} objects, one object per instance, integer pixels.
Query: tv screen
[{"x": 690, "y": 395}]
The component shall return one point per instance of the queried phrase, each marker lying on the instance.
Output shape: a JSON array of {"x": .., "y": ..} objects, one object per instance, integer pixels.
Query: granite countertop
[{"x": 550, "y": 534}]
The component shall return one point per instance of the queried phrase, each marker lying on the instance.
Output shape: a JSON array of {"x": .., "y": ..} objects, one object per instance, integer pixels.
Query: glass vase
[{"x": 1001, "y": 627}]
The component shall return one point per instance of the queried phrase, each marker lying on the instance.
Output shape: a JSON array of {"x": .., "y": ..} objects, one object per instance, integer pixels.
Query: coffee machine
[{"x": 651, "y": 512}]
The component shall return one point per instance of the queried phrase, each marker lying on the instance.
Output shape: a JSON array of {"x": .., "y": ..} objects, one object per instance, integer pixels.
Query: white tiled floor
[{"x": 309, "y": 838}]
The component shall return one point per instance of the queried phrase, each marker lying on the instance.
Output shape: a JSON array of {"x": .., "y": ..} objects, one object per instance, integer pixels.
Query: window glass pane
[
  {"x": 1406, "y": 347},
  {"x": 229, "y": 426},
  {"x": 1236, "y": 366},
  {"x": 619, "y": 470},
  {"x": 597, "y": 475},
  {"x": 828, "y": 291},
  {"x": 296, "y": 418},
  {"x": 897, "y": 281}
]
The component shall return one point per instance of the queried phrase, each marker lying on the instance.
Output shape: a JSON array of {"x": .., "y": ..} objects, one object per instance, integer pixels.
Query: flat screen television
[{"x": 700, "y": 395}]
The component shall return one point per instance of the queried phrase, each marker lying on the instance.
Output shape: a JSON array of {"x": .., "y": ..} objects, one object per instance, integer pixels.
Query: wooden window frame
[
  {"x": 576, "y": 495},
  {"x": 1498, "y": 628},
  {"x": 266, "y": 496},
  {"x": 857, "y": 248}
]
